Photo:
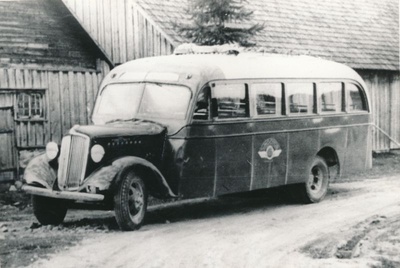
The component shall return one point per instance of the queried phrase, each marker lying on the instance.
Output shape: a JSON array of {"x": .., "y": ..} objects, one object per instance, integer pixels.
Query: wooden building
[
  {"x": 50, "y": 70},
  {"x": 363, "y": 34}
]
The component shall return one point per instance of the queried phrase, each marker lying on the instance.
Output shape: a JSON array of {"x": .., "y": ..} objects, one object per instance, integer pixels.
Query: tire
[
  {"x": 49, "y": 211},
  {"x": 130, "y": 202},
  {"x": 316, "y": 186}
]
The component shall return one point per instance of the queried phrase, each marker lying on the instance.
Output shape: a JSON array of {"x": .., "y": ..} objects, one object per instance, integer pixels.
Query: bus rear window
[
  {"x": 300, "y": 98},
  {"x": 355, "y": 99}
]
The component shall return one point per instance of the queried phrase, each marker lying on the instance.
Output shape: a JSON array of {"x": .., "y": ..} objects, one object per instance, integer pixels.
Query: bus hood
[{"x": 120, "y": 129}]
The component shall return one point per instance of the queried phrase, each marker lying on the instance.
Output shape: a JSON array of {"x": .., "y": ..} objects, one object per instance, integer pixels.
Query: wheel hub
[
  {"x": 314, "y": 182},
  {"x": 135, "y": 198}
]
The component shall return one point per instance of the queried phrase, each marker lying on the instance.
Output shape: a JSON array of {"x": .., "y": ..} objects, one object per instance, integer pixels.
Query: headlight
[
  {"x": 51, "y": 150},
  {"x": 96, "y": 153}
]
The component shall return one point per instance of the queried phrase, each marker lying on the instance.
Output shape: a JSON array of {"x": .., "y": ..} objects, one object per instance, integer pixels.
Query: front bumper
[{"x": 78, "y": 196}]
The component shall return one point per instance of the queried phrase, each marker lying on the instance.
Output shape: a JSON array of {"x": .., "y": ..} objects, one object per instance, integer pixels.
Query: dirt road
[{"x": 357, "y": 225}]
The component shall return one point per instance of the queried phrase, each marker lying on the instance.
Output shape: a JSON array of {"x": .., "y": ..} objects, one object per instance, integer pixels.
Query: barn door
[{"x": 8, "y": 152}]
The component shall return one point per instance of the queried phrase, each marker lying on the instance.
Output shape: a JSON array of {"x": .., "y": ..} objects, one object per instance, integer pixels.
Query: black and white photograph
[{"x": 199, "y": 133}]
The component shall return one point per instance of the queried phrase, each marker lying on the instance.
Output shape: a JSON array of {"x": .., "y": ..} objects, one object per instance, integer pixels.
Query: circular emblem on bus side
[{"x": 269, "y": 149}]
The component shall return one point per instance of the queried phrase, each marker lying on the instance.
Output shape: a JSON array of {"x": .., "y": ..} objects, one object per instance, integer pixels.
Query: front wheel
[
  {"x": 130, "y": 202},
  {"x": 49, "y": 210},
  {"x": 316, "y": 186}
]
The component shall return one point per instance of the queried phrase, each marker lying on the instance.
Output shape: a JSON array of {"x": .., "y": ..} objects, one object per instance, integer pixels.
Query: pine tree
[{"x": 218, "y": 22}]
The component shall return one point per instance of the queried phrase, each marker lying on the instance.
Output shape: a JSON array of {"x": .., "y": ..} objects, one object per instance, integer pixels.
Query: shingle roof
[{"x": 363, "y": 34}]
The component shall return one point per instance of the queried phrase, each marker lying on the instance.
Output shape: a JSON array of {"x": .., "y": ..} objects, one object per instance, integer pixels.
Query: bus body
[{"x": 188, "y": 126}]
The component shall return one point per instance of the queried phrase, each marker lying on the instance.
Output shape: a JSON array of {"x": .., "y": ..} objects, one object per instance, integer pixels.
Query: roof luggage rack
[{"x": 190, "y": 48}]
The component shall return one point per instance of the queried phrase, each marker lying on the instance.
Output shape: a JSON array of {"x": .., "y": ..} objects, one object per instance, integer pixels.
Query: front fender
[
  {"x": 39, "y": 171},
  {"x": 104, "y": 178}
]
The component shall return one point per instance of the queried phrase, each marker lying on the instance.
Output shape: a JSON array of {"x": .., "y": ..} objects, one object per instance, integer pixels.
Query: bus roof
[{"x": 200, "y": 68}]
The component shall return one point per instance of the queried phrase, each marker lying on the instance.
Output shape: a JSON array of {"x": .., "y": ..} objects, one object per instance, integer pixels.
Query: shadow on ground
[{"x": 200, "y": 209}]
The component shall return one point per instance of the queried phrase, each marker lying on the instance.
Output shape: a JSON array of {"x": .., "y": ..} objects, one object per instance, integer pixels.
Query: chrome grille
[{"x": 72, "y": 161}]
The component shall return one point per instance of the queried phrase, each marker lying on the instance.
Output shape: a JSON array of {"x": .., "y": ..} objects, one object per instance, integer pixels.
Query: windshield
[{"x": 144, "y": 101}]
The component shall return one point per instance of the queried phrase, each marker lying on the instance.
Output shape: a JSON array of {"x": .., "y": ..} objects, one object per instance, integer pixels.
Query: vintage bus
[{"x": 202, "y": 125}]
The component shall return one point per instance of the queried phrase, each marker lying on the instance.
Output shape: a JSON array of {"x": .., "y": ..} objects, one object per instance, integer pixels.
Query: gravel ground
[{"x": 358, "y": 225}]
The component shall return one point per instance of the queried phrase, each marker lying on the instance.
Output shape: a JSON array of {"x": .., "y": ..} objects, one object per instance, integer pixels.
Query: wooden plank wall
[
  {"x": 41, "y": 33},
  {"x": 149, "y": 41},
  {"x": 69, "y": 99},
  {"x": 121, "y": 29},
  {"x": 384, "y": 90},
  {"x": 7, "y": 138}
]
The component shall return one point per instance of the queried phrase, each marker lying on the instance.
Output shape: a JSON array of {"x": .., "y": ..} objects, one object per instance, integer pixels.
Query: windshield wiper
[
  {"x": 123, "y": 120},
  {"x": 115, "y": 120},
  {"x": 136, "y": 120}
]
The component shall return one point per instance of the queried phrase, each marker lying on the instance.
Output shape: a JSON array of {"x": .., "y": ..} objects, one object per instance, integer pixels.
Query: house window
[{"x": 30, "y": 105}]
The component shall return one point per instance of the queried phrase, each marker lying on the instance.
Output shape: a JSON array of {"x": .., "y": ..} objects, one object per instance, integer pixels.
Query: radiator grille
[{"x": 72, "y": 162}]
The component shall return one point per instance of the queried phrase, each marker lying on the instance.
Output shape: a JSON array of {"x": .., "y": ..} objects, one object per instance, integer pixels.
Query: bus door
[
  {"x": 199, "y": 156},
  {"x": 233, "y": 137},
  {"x": 270, "y": 141}
]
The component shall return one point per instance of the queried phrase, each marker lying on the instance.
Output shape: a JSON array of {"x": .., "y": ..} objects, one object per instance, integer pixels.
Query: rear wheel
[
  {"x": 316, "y": 186},
  {"x": 49, "y": 210},
  {"x": 130, "y": 202}
]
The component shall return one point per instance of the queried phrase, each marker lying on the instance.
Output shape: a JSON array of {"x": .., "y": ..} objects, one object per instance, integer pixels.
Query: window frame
[
  {"x": 214, "y": 106},
  {"x": 285, "y": 104},
  {"x": 253, "y": 100},
  {"x": 31, "y": 93},
  {"x": 206, "y": 87},
  {"x": 363, "y": 95},
  {"x": 96, "y": 119},
  {"x": 342, "y": 98},
  {"x": 314, "y": 105}
]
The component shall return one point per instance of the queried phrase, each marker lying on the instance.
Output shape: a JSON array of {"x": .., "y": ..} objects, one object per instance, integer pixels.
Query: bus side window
[
  {"x": 267, "y": 98},
  {"x": 330, "y": 97},
  {"x": 355, "y": 99},
  {"x": 300, "y": 97},
  {"x": 202, "y": 109},
  {"x": 230, "y": 101}
]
